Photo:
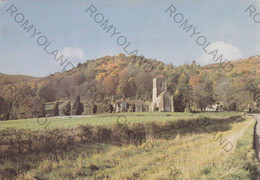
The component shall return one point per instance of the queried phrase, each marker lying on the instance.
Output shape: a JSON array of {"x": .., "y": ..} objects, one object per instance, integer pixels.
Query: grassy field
[
  {"x": 193, "y": 156},
  {"x": 185, "y": 148},
  {"x": 106, "y": 119}
]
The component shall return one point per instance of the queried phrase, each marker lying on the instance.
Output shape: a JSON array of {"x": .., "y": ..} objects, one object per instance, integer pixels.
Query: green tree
[
  {"x": 202, "y": 91},
  {"x": 46, "y": 92}
]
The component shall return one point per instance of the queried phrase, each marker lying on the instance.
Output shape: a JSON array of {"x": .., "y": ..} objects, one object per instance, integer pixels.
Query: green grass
[{"x": 106, "y": 119}]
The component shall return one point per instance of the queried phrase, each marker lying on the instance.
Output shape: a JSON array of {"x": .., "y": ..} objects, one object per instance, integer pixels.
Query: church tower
[
  {"x": 159, "y": 86},
  {"x": 162, "y": 99}
]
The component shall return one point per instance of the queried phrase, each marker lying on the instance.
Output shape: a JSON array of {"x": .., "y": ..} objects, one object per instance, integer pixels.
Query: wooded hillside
[{"x": 193, "y": 87}]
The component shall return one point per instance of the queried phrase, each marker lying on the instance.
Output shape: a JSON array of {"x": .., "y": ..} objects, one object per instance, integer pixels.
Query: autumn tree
[
  {"x": 109, "y": 85},
  {"x": 185, "y": 91},
  {"x": 252, "y": 85},
  {"x": 46, "y": 92},
  {"x": 230, "y": 96},
  {"x": 202, "y": 91},
  {"x": 144, "y": 85},
  {"x": 178, "y": 101},
  {"x": 78, "y": 78},
  {"x": 126, "y": 84}
]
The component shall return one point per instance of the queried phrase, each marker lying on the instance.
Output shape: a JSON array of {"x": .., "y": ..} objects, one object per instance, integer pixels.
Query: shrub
[
  {"x": 28, "y": 108},
  {"x": 94, "y": 109},
  {"x": 111, "y": 108},
  {"x": 66, "y": 109},
  {"x": 56, "y": 109},
  {"x": 3, "y": 105},
  {"x": 77, "y": 108},
  {"x": 187, "y": 110},
  {"x": 4, "y": 113}
]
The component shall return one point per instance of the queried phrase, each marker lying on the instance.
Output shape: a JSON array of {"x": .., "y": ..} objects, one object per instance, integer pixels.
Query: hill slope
[
  {"x": 242, "y": 65},
  {"x": 131, "y": 76}
]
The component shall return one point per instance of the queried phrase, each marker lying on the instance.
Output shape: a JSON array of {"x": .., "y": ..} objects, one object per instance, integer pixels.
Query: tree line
[{"x": 194, "y": 87}]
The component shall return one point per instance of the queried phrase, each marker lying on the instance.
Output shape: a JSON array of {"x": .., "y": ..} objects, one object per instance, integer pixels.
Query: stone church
[{"x": 162, "y": 99}]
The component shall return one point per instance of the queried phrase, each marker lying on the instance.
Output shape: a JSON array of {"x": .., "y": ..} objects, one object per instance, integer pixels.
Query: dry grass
[{"x": 178, "y": 149}]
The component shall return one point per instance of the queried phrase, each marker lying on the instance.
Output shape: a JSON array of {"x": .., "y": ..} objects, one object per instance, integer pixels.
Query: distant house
[
  {"x": 162, "y": 99},
  {"x": 214, "y": 107},
  {"x": 254, "y": 107}
]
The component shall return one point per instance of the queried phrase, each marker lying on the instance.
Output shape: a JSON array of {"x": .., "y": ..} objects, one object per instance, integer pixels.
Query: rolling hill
[{"x": 115, "y": 76}]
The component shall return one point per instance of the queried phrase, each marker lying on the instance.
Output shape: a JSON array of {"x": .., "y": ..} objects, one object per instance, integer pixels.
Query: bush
[
  {"x": 187, "y": 110},
  {"x": 56, "y": 109},
  {"x": 77, "y": 108},
  {"x": 66, "y": 109},
  {"x": 30, "y": 107},
  {"x": 94, "y": 109},
  {"x": 156, "y": 109},
  {"x": 3, "y": 105},
  {"x": 111, "y": 108},
  {"x": 4, "y": 114}
]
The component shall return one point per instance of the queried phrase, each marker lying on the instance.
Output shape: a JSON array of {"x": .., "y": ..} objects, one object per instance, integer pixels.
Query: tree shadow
[{"x": 197, "y": 126}]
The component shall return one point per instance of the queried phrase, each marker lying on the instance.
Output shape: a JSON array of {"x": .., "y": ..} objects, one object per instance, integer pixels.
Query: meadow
[
  {"x": 106, "y": 119},
  {"x": 158, "y": 146}
]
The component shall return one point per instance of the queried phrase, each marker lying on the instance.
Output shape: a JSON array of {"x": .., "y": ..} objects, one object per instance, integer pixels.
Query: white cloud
[
  {"x": 228, "y": 51},
  {"x": 72, "y": 53}
]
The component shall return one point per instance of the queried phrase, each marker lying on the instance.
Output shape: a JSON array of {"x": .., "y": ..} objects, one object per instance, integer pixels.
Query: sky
[{"x": 145, "y": 25}]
